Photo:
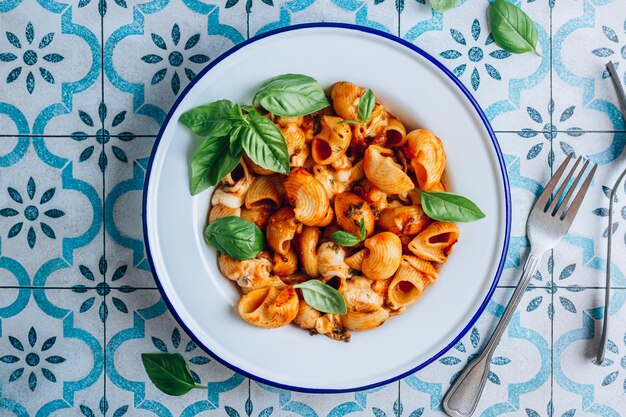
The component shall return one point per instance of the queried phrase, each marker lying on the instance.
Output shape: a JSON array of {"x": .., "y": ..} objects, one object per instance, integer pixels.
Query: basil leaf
[
  {"x": 211, "y": 162},
  {"x": 449, "y": 207},
  {"x": 352, "y": 122},
  {"x": 291, "y": 95},
  {"x": 366, "y": 105},
  {"x": 345, "y": 238},
  {"x": 265, "y": 144},
  {"x": 362, "y": 229},
  {"x": 441, "y": 6},
  {"x": 511, "y": 28},
  {"x": 322, "y": 297},
  {"x": 236, "y": 237},
  {"x": 235, "y": 147},
  {"x": 169, "y": 373},
  {"x": 213, "y": 119}
]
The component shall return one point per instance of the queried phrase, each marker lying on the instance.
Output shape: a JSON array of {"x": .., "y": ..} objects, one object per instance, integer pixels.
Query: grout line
[
  {"x": 8, "y": 287},
  {"x": 399, "y": 399},
  {"x": 560, "y": 131},
  {"x": 104, "y": 335},
  {"x": 552, "y": 250},
  {"x": 69, "y": 136}
]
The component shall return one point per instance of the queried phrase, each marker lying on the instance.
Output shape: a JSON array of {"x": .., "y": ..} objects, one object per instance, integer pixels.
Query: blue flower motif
[
  {"x": 102, "y": 289},
  {"x": 616, "y": 52},
  {"x": 552, "y": 288},
  {"x": 31, "y": 212},
  {"x": 550, "y": 131},
  {"x": 452, "y": 360},
  {"x": 604, "y": 211},
  {"x": 103, "y": 408},
  {"x": 102, "y": 5},
  {"x": 248, "y": 409},
  {"x": 615, "y": 362},
  {"x": 102, "y": 136},
  {"x": 475, "y": 55},
  {"x": 28, "y": 358},
  {"x": 530, "y": 412},
  {"x": 398, "y": 409},
  {"x": 176, "y": 58},
  {"x": 177, "y": 347},
  {"x": 30, "y": 57}
]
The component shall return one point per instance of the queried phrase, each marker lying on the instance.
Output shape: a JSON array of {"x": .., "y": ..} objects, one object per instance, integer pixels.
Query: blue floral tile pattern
[{"x": 84, "y": 88}]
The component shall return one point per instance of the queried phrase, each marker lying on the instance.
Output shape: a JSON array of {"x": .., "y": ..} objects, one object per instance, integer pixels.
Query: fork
[{"x": 548, "y": 222}]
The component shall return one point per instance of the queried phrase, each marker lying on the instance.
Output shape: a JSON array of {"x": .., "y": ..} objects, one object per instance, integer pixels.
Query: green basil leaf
[
  {"x": 441, "y": 6},
  {"x": 235, "y": 148},
  {"x": 322, "y": 297},
  {"x": 212, "y": 162},
  {"x": 265, "y": 144},
  {"x": 362, "y": 229},
  {"x": 511, "y": 28},
  {"x": 292, "y": 95},
  {"x": 169, "y": 373},
  {"x": 366, "y": 105},
  {"x": 345, "y": 238},
  {"x": 352, "y": 122},
  {"x": 449, "y": 207},
  {"x": 236, "y": 237},
  {"x": 213, "y": 119}
]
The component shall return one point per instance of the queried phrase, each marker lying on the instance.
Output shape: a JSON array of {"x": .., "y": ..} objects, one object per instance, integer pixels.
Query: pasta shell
[
  {"x": 423, "y": 266},
  {"x": 294, "y": 138},
  {"x": 385, "y": 254},
  {"x": 376, "y": 199},
  {"x": 330, "y": 261},
  {"x": 281, "y": 229},
  {"x": 395, "y": 133},
  {"x": 259, "y": 215},
  {"x": 219, "y": 211},
  {"x": 307, "y": 250},
  {"x": 309, "y": 198},
  {"x": 350, "y": 209},
  {"x": 256, "y": 168},
  {"x": 332, "y": 142},
  {"x": 295, "y": 278},
  {"x": 286, "y": 264},
  {"x": 327, "y": 178},
  {"x": 356, "y": 260},
  {"x": 356, "y": 320},
  {"x": 427, "y": 156},
  {"x": 345, "y": 97},
  {"x": 403, "y": 220},
  {"x": 384, "y": 173},
  {"x": 265, "y": 190},
  {"x": 282, "y": 121},
  {"x": 406, "y": 286},
  {"x": 269, "y": 307},
  {"x": 435, "y": 242}
]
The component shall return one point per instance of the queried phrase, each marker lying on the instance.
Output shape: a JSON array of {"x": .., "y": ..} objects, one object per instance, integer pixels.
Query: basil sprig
[
  {"x": 213, "y": 119},
  {"x": 441, "y": 6},
  {"x": 448, "y": 207},
  {"x": 291, "y": 95},
  {"x": 511, "y": 28},
  {"x": 169, "y": 373},
  {"x": 322, "y": 297},
  {"x": 365, "y": 109},
  {"x": 236, "y": 237},
  {"x": 348, "y": 239}
]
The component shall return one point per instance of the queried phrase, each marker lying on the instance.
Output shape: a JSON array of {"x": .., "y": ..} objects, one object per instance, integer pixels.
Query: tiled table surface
[{"x": 84, "y": 87}]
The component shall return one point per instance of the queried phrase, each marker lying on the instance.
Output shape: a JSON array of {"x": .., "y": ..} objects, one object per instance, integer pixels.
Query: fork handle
[{"x": 463, "y": 396}]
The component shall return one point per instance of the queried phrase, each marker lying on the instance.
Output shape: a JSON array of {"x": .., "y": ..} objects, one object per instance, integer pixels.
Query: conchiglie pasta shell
[
  {"x": 350, "y": 209},
  {"x": 332, "y": 142},
  {"x": 282, "y": 121},
  {"x": 385, "y": 254},
  {"x": 294, "y": 138},
  {"x": 259, "y": 215},
  {"x": 269, "y": 307},
  {"x": 384, "y": 173},
  {"x": 355, "y": 320},
  {"x": 345, "y": 97},
  {"x": 395, "y": 133},
  {"x": 405, "y": 220},
  {"x": 423, "y": 266},
  {"x": 219, "y": 211},
  {"x": 286, "y": 264},
  {"x": 307, "y": 250},
  {"x": 256, "y": 168},
  {"x": 406, "y": 286},
  {"x": 281, "y": 229},
  {"x": 326, "y": 177},
  {"x": 356, "y": 260},
  {"x": 309, "y": 198},
  {"x": 265, "y": 190},
  {"x": 435, "y": 242},
  {"x": 427, "y": 156}
]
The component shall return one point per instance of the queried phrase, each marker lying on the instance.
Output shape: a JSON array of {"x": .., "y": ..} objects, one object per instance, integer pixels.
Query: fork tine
[
  {"x": 551, "y": 185},
  {"x": 554, "y": 205},
  {"x": 569, "y": 213}
]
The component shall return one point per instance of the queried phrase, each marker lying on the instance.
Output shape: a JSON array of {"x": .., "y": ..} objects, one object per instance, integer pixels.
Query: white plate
[{"x": 422, "y": 93}]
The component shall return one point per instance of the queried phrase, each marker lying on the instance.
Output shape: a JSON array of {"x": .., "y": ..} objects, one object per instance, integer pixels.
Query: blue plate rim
[{"x": 477, "y": 108}]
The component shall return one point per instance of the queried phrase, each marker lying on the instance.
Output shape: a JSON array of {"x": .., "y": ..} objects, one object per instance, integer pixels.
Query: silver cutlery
[
  {"x": 617, "y": 83},
  {"x": 548, "y": 221}
]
